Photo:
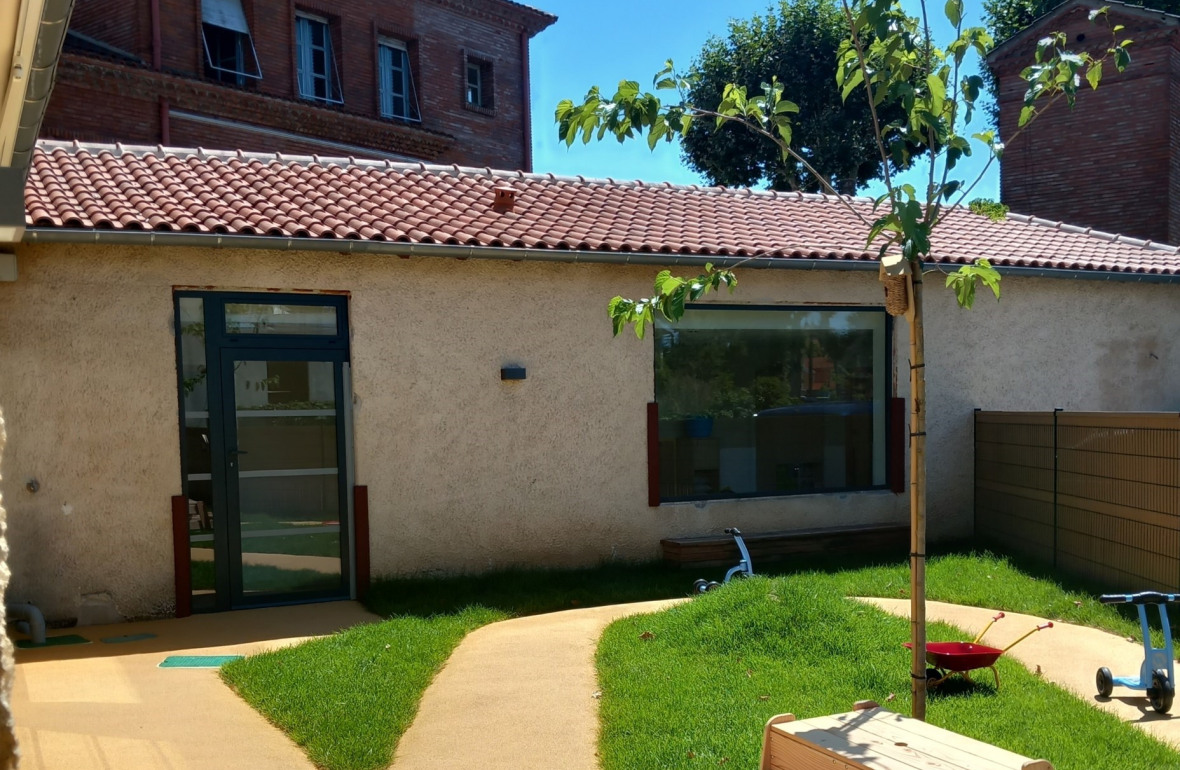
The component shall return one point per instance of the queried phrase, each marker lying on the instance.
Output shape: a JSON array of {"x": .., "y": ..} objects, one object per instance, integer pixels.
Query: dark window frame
[
  {"x": 889, "y": 428},
  {"x": 240, "y": 74},
  {"x": 486, "y": 86}
]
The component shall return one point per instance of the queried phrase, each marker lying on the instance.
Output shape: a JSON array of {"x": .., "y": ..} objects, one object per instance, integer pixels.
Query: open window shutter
[
  {"x": 898, "y": 444},
  {"x": 653, "y": 454},
  {"x": 385, "y": 78},
  {"x": 227, "y": 14}
]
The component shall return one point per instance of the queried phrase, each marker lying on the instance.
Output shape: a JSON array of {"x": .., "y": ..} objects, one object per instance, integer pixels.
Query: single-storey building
[{"x": 274, "y": 359}]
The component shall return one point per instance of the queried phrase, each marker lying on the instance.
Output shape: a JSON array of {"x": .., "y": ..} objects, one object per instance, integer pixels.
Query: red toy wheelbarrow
[{"x": 949, "y": 658}]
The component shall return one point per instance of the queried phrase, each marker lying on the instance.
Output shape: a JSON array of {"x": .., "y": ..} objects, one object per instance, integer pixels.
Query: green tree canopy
[{"x": 796, "y": 43}]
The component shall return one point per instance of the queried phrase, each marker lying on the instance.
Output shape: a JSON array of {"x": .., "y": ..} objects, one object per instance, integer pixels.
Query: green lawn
[
  {"x": 693, "y": 686},
  {"x": 348, "y": 699}
]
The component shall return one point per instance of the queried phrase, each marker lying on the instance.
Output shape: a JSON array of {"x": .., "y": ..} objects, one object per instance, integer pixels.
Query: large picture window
[{"x": 761, "y": 401}]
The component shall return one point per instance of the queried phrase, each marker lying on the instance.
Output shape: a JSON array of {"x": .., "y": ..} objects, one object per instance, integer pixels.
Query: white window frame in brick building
[
  {"x": 395, "y": 81},
  {"x": 317, "y": 83},
  {"x": 223, "y": 26}
]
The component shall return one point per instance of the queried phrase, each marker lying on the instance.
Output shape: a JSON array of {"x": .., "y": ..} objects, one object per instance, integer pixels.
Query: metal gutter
[
  {"x": 35, "y": 235},
  {"x": 400, "y": 249},
  {"x": 40, "y": 68}
]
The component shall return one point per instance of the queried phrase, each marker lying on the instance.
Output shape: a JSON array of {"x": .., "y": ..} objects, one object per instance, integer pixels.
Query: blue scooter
[
  {"x": 1157, "y": 674},
  {"x": 745, "y": 567}
]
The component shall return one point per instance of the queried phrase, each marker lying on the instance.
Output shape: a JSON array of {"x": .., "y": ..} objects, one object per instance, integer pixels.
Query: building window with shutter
[
  {"x": 229, "y": 49},
  {"x": 395, "y": 81},
  {"x": 479, "y": 91},
  {"x": 319, "y": 79}
]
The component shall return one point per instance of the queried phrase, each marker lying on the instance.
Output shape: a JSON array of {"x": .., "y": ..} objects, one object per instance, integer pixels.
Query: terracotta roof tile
[{"x": 163, "y": 189}]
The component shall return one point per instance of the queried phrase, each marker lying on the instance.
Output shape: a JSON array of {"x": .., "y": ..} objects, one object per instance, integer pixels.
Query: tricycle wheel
[
  {"x": 1105, "y": 682},
  {"x": 700, "y": 585},
  {"x": 1161, "y": 692},
  {"x": 711, "y": 585}
]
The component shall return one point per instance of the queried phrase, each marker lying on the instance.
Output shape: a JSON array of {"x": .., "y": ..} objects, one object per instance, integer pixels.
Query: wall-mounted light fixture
[{"x": 508, "y": 373}]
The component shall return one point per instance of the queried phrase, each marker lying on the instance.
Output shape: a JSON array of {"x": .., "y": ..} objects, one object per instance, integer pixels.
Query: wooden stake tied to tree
[{"x": 885, "y": 54}]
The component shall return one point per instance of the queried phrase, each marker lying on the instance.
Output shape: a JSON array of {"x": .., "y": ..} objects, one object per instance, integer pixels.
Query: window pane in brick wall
[
  {"x": 317, "y": 69},
  {"x": 395, "y": 81}
]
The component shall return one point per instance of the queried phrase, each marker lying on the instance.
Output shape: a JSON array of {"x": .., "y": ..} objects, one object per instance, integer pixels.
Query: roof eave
[
  {"x": 31, "y": 37},
  {"x": 48, "y": 235}
]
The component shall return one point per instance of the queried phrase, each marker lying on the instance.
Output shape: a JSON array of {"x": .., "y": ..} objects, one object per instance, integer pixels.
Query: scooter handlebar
[{"x": 1143, "y": 597}]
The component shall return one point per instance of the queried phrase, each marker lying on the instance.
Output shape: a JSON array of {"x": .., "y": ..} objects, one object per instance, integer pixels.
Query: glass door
[
  {"x": 263, "y": 447},
  {"x": 284, "y": 471}
]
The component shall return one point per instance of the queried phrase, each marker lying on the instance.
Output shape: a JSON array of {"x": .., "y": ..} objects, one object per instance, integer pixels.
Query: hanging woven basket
[
  {"x": 897, "y": 294},
  {"x": 895, "y": 274}
]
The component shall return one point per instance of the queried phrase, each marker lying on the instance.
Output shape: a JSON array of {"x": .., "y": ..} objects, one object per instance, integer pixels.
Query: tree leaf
[
  {"x": 954, "y": 12},
  {"x": 1094, "y": 74}
]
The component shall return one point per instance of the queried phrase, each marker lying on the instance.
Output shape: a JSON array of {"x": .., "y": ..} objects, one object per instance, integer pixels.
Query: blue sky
[{"x": 600, "y": 42}]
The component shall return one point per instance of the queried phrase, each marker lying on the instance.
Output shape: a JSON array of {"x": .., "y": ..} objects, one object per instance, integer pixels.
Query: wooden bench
[{"x": 720, "y": 550}]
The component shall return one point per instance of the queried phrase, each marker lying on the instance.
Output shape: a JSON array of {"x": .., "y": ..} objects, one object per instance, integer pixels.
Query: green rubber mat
[
  {"x": 126, "y": 638},
  {"x": 198, "y": 661},
  {"x": 52, "y": 641}
]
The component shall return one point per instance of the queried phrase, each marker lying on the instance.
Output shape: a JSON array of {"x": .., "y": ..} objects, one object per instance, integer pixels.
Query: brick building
[
  {"x": 444, "y": 81},
  {"x": 1113, "y": 163}
]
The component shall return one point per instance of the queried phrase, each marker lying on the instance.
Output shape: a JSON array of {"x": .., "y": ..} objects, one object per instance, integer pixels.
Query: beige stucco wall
[
  {"x": 1083, "y": 345},
  {"x": 466, "y": 472}
]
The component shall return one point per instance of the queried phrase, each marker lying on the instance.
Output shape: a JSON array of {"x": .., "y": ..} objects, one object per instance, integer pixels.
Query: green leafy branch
[
  {"x": 670, "y": 294},
  {"x": 891, "y": 57},
  {"x": 963, "y": 281}
]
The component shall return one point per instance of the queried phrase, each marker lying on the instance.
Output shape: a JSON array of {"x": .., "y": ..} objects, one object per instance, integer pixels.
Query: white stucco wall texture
[{"x": 465, "y": 472}]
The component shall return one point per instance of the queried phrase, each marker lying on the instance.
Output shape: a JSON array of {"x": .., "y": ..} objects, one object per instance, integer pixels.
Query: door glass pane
[
  {"x": 248, "y": 318},
  {"x": 197, "y": 459},
  {"x": 287, "y": 476}
]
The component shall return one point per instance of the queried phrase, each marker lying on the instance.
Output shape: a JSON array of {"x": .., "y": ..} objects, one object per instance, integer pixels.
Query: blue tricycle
[
  {"x": 745, "y": 567},
  {"x": 1157, "y": 674}
]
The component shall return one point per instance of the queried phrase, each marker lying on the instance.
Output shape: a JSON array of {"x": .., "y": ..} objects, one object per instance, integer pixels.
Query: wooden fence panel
[
  {"x": 1109, "y": 511},
  {"x": 1014, "y": 482}
]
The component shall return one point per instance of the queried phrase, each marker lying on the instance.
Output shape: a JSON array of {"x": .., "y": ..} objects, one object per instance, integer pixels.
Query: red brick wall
[
  {"x": 437, "y": 33},
  {"x": 125, "y": 24},
  {"x": 137, "y": 121},
  {"x": 1107, "y": 163}
]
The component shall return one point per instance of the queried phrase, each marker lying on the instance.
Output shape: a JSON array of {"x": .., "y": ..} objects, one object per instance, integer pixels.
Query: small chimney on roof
[{"x": 505, "y": 199}]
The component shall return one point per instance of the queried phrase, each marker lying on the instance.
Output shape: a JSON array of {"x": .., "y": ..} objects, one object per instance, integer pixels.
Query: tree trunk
[{"x": 917, "y": 499}]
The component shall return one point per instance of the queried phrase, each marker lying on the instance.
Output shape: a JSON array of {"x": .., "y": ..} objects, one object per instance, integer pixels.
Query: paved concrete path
[
  {"x": 517, "y": 694},
  {"x": 109, "y": 706},
  {"x": 1066, "y": 654}
]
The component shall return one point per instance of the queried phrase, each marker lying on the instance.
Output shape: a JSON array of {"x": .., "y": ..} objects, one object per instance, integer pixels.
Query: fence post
[{"x": 1056, "y": 470}]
